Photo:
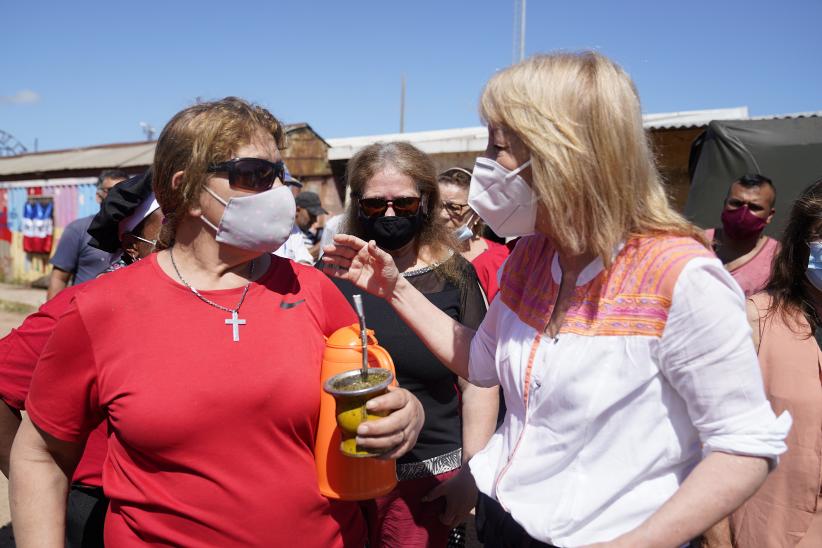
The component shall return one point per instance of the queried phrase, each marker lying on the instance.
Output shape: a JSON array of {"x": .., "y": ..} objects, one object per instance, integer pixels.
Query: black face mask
[{"x": 392, "y": 233}]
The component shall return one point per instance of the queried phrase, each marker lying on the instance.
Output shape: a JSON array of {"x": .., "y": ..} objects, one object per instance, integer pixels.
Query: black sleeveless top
[{"x": 418, "y": 371}]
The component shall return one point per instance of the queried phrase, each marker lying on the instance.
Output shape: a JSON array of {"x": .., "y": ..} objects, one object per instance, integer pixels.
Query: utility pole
[
  {"x": 402, "y": 105},
  {"x": 518, "y": 45},
  {"x": 522, "y": 32}
]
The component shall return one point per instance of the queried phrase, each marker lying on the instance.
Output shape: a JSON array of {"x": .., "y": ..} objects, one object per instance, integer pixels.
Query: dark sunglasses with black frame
[
  {"x": 254, "y": 174},
  {"x": 403, "y": 207}
]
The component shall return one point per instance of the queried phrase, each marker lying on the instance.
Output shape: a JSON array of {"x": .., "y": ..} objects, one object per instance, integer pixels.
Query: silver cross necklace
[{"x": 234, "y": 322}]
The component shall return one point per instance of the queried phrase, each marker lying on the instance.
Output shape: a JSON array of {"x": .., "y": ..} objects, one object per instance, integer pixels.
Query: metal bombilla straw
[{"x": 363, "y": 335}]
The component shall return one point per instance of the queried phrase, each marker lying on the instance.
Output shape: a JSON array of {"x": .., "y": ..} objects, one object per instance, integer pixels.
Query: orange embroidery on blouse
[{"x": 630, "y": 298}]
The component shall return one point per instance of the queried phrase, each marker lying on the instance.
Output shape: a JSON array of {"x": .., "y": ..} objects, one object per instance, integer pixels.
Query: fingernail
[{"x": 362, "y": 430}]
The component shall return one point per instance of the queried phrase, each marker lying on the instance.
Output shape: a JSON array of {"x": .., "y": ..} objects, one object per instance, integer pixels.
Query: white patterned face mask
[
  {"x": 503, "y": 199},
  {"x": 258, "y": 222}
]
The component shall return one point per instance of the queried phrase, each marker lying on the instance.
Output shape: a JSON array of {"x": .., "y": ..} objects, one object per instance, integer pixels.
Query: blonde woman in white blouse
[{"x": 635, "y": 409}]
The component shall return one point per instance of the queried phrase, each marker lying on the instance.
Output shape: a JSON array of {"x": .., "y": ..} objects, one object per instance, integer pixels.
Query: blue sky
[{"x": 88, "y": 72}]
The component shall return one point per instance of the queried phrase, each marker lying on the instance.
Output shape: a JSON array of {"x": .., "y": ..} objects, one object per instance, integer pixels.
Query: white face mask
[
  {"x": 258, "y": 222},
  {"x": 503, "y": 199}
]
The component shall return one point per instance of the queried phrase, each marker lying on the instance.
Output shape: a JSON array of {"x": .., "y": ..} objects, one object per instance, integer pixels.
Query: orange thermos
[{"x": 342, "y": 477}]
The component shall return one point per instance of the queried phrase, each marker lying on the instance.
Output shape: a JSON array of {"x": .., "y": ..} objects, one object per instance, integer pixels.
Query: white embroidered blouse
[{"x": 652, "y": 368}]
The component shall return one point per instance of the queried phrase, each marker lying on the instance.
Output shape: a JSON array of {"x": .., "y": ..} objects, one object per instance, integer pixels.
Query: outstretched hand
[{"x": 362, "y": 263}]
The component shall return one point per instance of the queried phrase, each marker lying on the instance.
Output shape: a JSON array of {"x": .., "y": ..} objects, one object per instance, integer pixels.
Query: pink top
[
  {"x": 781, "y": 514},
  {"x": 753, "y": 275}
]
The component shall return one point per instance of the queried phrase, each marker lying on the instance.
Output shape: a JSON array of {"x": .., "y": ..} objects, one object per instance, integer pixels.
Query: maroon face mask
[{"x": 741, "y": 224}]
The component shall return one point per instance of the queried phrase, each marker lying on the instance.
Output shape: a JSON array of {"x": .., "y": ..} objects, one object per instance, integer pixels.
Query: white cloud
[{"x": 22, "y": 97}]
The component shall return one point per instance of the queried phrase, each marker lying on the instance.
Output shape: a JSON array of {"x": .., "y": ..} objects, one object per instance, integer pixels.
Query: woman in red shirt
[
  {"x": 128, "y": 222},
  {"x": 210, "y": 386},
  {"x": 487, "y": 256}
]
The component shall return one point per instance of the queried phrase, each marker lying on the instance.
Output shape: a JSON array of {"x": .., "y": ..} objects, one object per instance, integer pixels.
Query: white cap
[{"x": 146, "y": 208}]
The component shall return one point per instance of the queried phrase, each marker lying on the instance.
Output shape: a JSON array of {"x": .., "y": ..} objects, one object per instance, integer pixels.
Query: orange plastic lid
[{"x": 349, "y": 337}]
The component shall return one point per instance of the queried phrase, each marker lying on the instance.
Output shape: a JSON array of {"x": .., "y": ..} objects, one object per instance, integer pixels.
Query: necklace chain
[
  {"x": 426, "y": 268},
  {"x": 199, "y": 296}
]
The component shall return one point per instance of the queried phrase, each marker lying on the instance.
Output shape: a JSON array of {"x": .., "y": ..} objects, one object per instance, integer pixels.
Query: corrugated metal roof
[
  {"x": 692, "y": 118},
  {"x": 474, "y": 139},
  {"x": 811, "y": 114},
  {"x": 101, "y": 157},
  {"x": 433, "y": 142}
]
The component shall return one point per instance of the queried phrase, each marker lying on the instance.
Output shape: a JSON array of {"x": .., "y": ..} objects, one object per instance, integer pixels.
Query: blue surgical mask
[
  {"x": 466, "y": 231},
  {"x": 814, "y": 271},
  {"x": 463, "y": 233}
]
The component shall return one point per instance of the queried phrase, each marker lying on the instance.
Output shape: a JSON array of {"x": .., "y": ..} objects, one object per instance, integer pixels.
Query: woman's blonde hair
[
  {"x": 203, "y": 134},
  {"x": 593, "y": 170}
]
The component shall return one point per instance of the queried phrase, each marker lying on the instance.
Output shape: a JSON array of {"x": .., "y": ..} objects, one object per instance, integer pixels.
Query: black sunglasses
[
  {"x": 253, "y": 174},
  {"x": 403, "y": 207}
]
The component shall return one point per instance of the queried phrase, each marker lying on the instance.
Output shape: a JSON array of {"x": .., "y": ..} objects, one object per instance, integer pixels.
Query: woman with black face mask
[{"x": 395, "y": 202}]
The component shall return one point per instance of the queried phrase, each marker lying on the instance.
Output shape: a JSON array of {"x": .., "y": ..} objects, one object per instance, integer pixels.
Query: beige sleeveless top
[{"x": 780, "y": 513}]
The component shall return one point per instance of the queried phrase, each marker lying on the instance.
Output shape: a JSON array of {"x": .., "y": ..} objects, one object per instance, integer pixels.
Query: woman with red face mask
[{"x": 786, "y": 512}]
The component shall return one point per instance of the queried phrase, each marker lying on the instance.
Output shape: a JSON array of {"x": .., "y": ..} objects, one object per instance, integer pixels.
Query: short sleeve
[
  {"x": 707, "y": 354},
  {"x": 482, "y": 366},
  {"x": 67, "y": 254},
  {"x": 21, "y": 348},
  {"x": 63, "y": 399}
]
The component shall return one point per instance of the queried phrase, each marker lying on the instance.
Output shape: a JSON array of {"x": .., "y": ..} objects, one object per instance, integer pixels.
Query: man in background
[
  {"x": 740, "y": 243},
  {"x": 74, "y": 260},
  {"x": 294, "y": 247},
  {"x": 309, "y": 208}
]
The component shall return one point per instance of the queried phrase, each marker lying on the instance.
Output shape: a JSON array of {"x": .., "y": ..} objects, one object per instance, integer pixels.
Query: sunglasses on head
[
  {"x": 403, "y": 207},
  {"x": 253, "y": 174}
]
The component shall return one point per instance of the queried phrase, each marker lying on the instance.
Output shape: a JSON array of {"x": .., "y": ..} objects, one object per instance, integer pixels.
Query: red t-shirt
[
  {"x": 19, "y": 352},
  {"x": 487, "y": 264},
  {"x": 210, "y": 440}
]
